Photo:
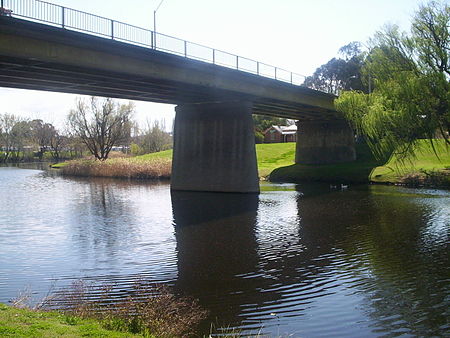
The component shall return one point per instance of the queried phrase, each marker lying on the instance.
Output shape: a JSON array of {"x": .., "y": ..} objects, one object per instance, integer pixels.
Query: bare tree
[{"x": 100, "y": 126}]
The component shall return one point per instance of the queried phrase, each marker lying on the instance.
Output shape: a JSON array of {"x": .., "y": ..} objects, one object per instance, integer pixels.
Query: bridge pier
[
  {"x": 324, "y": 142},
  {"x": 214, "y": 148}
]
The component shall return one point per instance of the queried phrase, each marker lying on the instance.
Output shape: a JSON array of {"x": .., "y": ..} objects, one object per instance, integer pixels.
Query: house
[{"x": 281, "y": 134}]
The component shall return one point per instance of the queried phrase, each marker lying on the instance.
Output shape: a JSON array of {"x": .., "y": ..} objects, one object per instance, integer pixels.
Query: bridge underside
[{"x": 214, "y": 142}]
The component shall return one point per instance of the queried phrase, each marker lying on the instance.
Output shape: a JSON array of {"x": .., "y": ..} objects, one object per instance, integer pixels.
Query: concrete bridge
[{"x": 214, "y": 147}]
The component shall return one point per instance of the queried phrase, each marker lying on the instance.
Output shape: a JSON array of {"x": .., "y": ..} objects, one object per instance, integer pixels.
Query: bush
[{"x": 151, "y": 310}]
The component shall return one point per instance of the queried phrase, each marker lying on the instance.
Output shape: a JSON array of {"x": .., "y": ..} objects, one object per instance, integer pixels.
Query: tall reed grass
[{"x": 156, "y": 168}]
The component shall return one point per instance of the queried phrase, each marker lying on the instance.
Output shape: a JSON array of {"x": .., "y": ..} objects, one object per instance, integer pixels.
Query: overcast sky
[{"x": 297, "y": 35}]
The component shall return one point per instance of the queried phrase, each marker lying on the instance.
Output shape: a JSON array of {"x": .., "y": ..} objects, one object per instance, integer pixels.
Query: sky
[{"x": 297, "y": 35}]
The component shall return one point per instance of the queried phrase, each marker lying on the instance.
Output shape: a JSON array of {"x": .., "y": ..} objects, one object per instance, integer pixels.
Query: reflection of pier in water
[{"x": 245, "y": 266}]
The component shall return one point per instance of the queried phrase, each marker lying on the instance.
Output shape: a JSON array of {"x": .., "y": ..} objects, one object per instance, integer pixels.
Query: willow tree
[
  {"x": 411, "y": 98},
  {"x": 101, "y": 125}
]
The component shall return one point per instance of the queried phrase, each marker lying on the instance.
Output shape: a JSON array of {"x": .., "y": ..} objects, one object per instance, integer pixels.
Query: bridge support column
[
  {"x": 214, "y": 148},
  {"x": 320, "y": 142}
]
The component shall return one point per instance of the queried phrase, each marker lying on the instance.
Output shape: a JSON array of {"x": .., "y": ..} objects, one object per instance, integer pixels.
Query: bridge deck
[{"x": 43, "y": 57}]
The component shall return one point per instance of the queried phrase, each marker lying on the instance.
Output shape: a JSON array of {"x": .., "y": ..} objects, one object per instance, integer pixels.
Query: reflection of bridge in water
[{"x": 215, "y": 92}]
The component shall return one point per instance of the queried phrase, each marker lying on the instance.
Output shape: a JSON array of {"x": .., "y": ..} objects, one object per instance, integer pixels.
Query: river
[{"x": 299, "y": 260}]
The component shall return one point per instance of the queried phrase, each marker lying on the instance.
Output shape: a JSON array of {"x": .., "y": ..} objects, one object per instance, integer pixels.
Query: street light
[{"x": 154, "y": 15}]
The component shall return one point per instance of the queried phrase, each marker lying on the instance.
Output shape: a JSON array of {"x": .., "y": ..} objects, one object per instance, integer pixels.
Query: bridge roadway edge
[{"x": 43, "y": 57}]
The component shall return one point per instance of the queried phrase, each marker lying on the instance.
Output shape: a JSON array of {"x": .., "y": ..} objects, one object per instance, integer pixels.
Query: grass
[
  {"x": 350, "y": 172},
  {"x": 15, "y": 322},
  {"x": 277, "y": 159},
  {"x": 82, "y": 309},
  {"x": 424, "y": 168},
  {"x": 274, "y": 155},
  {"x": 269, "y": 156}
]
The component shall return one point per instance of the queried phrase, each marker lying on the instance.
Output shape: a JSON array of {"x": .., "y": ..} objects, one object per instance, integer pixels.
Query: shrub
[{"x": 148, "y": 309}]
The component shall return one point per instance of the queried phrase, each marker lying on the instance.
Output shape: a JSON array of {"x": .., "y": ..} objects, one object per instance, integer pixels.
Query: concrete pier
[
  {"x": 320, "y": 142},
  {"x": 214, "y": 148}
]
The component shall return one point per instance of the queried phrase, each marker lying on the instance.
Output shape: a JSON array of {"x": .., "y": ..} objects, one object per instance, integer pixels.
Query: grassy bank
[
  {"x": 16, "y": 322},
  {"x": 269, "y": 156},
  {"x": 158, "y": 165},
  {"x": 87, "y": 309},
  {"x": 351, "y": 172},
  {"x": 277, "y": 159},
  {"x": 424, "y": 168}
]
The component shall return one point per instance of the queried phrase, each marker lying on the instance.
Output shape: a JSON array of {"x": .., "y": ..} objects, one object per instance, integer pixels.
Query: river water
[{"x": 299, "y": 260}]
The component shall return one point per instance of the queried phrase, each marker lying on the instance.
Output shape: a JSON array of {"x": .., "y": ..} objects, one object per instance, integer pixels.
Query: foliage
[
  {"x": 149, "y": 309},
  {"x": 263, "y": 122},
  {"x": 339, "y": 74},
  {"x": 100, "y": 126},
  {"x": 41, "y": 134},
  {"x": 424, "y": 161},
  {"x": 411, "y": 99},
  {"x": 259, "y": 137},
  {"x": 154, "y": 138}
]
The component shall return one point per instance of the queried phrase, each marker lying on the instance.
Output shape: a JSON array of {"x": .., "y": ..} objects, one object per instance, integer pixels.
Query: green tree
[
  {"x": 411, "y": 97},
  {"x": 340, "y": 74},
  {"x": 42, "y": 134},
  {"x": 155, "y": 138},
  {"x": 100, "y": 126}
]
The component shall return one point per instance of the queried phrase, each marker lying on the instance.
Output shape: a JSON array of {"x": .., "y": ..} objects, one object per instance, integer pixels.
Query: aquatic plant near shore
[{"x": 157, "y": 168}]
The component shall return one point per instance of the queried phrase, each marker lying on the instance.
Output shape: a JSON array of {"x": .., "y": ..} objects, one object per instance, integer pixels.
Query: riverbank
[
  {"x": 81, "y": 310},
  {"x": 276, "y": 164},
  {"x": 15, "y": 322},
  {"x": 158, "y": 165},
  {"x": 423, "y": 169}
]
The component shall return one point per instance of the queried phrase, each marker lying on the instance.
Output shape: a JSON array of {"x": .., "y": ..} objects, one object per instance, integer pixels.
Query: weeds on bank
[
  {"x": 149, "y": 310},
  {"x": 157, "y": 168},
  {"x": 425, "y": 178}
]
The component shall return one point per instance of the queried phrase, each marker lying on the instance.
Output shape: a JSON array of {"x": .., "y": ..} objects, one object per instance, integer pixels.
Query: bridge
[{"x": 53, "y": 48}]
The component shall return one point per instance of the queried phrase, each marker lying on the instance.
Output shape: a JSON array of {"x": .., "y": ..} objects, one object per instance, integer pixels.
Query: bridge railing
[{"x": 68, "y": 18}]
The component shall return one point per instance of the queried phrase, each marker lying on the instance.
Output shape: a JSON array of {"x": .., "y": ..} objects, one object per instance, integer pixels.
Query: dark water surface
[{"x": 301, "y": 260}]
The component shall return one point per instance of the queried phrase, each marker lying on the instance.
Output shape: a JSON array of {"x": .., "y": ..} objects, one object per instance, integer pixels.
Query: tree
[
  {"x": 14, "y": 134},
  {"x": 155, "y": 138},
  {"x": 57, "y": 142},
  {"x": 340, "y": 74},
  {"x": 411, "y": 98},
  {"x": 100, "y": 126},
  {"x": 42, "y": 134}
]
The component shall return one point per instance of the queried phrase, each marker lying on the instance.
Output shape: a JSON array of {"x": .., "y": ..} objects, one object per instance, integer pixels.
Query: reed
[{"x": 128, "y": 167}]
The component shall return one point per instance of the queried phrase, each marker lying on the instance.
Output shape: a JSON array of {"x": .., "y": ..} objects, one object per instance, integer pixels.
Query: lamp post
[{"x": 154, "y": 16}]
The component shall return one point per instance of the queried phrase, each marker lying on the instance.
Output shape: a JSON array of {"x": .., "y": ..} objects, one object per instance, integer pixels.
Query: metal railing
[{"x": 68, "y": 18}]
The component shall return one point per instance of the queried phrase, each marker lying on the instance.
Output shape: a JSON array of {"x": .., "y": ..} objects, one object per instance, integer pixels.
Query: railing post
[
  {"x": 112, "y": 29},
  {"x": 291, "y": 77},
  {"x": 237, "y": 62},
  {"x": 214, "y": 56},
  {"x": 185, "y": 48},
  {"x": 257, "y": 67},
  {"x": 152, "y": 43},
  {"x": 275, "y": 73},
  {"x": 63, "y": 19}
]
